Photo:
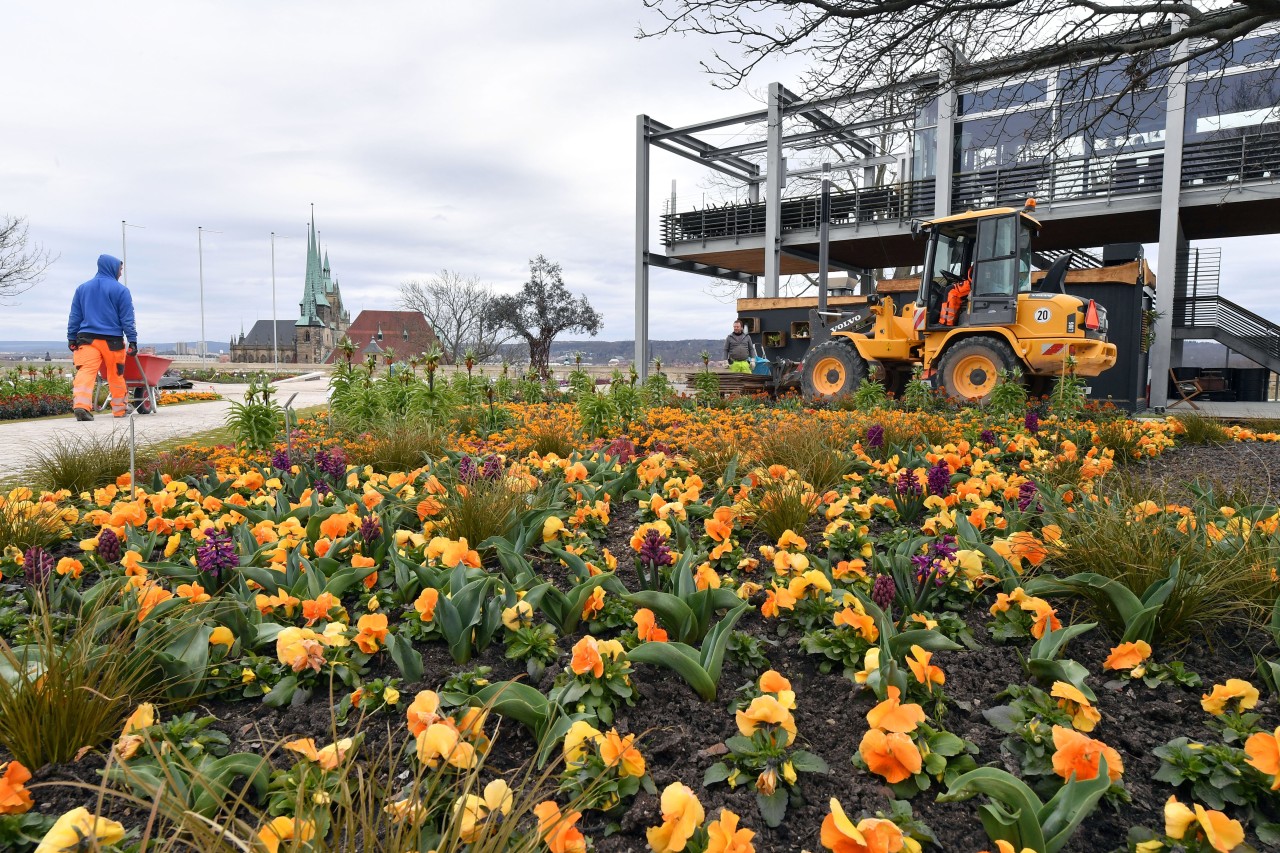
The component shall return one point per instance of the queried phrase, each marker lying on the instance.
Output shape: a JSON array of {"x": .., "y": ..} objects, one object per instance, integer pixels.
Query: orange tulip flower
[{"x": 647, "y": 630}]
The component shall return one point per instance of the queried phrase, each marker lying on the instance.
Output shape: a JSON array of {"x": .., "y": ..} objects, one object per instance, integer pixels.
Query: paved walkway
[{"x": 20, "y": 439}]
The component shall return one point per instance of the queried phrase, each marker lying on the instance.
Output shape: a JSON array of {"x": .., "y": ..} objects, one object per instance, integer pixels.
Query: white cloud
[{"x": 470, "y": 136}]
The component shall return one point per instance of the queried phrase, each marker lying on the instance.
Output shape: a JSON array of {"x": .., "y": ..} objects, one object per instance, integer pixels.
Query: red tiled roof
[{"x": 406, "y": 332}]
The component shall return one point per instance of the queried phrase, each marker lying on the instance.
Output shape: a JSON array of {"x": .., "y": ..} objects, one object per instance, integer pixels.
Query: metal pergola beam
[
  {"x": 701, "y": 148},
  {"x": 807, "y": 136},
  {"x": 682, "y": 265},
  {"x": 822, "y": 121},
  {"x": 689, "y": 155}
]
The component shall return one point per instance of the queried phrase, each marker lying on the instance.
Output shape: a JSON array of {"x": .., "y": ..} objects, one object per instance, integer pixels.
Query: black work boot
[{"x": 83, "y": 415}]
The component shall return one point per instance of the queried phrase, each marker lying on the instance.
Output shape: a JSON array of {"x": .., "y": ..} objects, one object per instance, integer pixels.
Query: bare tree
[
  {"x": 543, "y": 309},
  {"x": 22, "y": 263},
  {"x": 863, "y": 44},
  {"x": 457, "y": 307}
]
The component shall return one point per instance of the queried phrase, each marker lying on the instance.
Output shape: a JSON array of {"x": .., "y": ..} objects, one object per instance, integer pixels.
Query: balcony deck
[{"x": 1230, "y": 188}]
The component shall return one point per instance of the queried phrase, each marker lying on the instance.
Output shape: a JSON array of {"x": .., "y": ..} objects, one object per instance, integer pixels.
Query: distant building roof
[
  {"x": 260, "y": 334},
  {"x": 407, "y": 333}
]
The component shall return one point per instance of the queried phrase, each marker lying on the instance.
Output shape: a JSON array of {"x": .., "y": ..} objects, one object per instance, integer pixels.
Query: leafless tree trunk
[
  {"x": 456, "y": 306},
  {"x": 22, "y": 263}
]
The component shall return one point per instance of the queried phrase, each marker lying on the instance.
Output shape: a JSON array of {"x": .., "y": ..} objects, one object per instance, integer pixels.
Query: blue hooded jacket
[{"x": 102, "y": 306}]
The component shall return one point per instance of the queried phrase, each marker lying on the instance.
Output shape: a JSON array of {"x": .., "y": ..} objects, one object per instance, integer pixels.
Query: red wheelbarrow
[{"x": 142, "y": 374}]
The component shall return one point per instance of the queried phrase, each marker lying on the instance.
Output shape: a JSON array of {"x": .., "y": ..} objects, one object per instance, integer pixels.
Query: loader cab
[{"x": 991, "y": 249}]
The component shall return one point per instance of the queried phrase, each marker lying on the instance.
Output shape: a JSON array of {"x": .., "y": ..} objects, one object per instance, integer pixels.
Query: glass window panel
[
  {"x": 1003, "y": 97},
  {"x": 1224, "y": 107},
  {"x": 1002, "y": 140},
  {"x": 1247, "y": 51},
  {"x": 994, "y": 278}
]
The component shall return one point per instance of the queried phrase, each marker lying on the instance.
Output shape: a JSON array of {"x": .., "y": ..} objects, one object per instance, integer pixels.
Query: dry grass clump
[
  {"x": 79, "y": 463},
  {"x": 805, "y": 448}
]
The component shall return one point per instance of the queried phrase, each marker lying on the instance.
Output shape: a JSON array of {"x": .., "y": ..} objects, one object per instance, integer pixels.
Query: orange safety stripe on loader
[
  {"x": 88, "y": 359},
  {"x": 955, "y": 297}
]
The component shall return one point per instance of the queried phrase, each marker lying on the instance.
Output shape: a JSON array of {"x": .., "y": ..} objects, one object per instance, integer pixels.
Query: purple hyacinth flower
[
  {"x": 37, "y": 565},
  {"x": 883, "y": 591},
  {"x": 623, "y": 449},
  {"x": 654, "y": 550},
  {"x": 280, "y": 460},
  {"x": 109, "y": 546},
  {"x": 875, "y": 436},
  {"x": 1027, "y": 494},
  {"x": 988, "y": 436},
  {"x": 467, "y": 472},
  {"x": 216, "y": 554},
  {"x": 492, "y": 467},
  {"x": 1032, "y": 422},
  {"x": 939, "y": 479},
  {"x": 908, "y": 484},
  {"x": 370, "y": 529}
]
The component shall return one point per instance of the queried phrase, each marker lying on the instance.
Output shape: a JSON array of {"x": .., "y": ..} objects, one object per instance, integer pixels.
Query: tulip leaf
[
  {"x": 216, "y": 776},
  {"x": 671, "y": 610},
  {"x": 679, "y": 658},
  {"x": 807, "y": 762},
  {"x": 1061, "y": 816},
  {"x": 266, "y": 578},
  {"x": 408, "y": 659},
  {"x": 926, "y": 638},
  {"x": 1016, "y": 805}
]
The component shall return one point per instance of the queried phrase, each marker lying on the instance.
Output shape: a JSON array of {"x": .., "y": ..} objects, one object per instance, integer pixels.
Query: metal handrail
[
  {"x": 1226, "y": 162},
  {"x": 1217, "y": 312}
]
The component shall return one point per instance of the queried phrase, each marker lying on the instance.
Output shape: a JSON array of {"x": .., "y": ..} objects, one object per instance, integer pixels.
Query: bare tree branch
[
  {"x": 22, "y": 263},
  {"x": 457, "y": 307}
]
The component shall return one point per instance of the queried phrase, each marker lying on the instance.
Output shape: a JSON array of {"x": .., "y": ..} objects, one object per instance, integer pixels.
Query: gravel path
[
  {"x": 1250, "y": 467},
  {"x": 19, "y": 440}
]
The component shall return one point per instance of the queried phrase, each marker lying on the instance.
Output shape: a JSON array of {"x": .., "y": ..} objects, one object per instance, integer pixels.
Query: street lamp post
[
  {"x": 200, "y": 253},
  {"x": 275, "y": 329},
  {"x": 124, "y": 249}
]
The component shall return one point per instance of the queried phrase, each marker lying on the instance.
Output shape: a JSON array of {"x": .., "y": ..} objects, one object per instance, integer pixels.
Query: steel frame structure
[{"x": 782, "y": 104}]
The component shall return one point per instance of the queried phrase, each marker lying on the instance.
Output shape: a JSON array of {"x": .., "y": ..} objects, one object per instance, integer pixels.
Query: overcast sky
[{"x": 470, "y": 136}]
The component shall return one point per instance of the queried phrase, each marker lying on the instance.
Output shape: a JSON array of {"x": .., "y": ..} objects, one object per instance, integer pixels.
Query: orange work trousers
[{"x": 89, "y": 359}]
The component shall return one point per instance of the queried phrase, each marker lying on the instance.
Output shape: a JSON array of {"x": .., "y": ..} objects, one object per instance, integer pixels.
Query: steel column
[
  {"x": 642, "y": 247},
  {"x": 1172, "y": 241},
  {"x": 773, "y": 194},
  {"x": 944, "y": 152}
]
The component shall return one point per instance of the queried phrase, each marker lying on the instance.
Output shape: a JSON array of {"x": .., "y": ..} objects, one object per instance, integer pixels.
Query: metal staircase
[{"x": 1201, "y": 313}]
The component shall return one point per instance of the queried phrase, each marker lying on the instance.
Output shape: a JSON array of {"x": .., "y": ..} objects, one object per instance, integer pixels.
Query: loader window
[{"x": 995, "y": 265}]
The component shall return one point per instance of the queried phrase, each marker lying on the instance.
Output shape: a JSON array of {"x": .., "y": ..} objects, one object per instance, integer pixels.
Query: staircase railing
[{"x": 1219, "y": 313}]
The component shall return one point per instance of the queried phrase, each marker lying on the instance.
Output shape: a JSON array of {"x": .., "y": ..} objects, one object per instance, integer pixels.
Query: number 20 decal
[{"x": 1042, "y": 315}]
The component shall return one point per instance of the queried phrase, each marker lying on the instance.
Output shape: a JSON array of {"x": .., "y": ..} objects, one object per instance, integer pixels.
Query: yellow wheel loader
[{"x": 976, "y": 314}]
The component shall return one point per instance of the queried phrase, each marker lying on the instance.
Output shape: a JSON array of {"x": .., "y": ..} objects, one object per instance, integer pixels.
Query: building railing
[
  {"x": 1220, "y": 162},
  {"x": 1217, "y": 312}
]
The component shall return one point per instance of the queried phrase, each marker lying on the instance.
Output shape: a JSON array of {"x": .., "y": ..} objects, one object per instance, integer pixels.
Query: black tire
[
  {"x": 843, "y": 370},
  {"x": 969, "y": 368}
]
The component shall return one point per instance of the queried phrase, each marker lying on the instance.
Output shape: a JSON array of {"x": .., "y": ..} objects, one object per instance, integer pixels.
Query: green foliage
[
  {"x": 1045, "y": 659},
  {"x": 1016, "y": 815},
  {"x": 870, "y": 396},
  {"x": 1216, "y": 774},
  {"x": 1067, "y": 399},
  {"x": 918, "y": 394},
  {"x": 597, "y": 413},
  {"x": 707, "y": 387},
  {"x": 1128, "y": 615},
  {"x": 1009, "y": 396},
  {"x": 700, "y": 668},
  {"x": 259, "y": 419},
  {"x": 1217, "y": 580},
  {"x": 686, "y": 611},
  {"x": 778, "y": 505}
]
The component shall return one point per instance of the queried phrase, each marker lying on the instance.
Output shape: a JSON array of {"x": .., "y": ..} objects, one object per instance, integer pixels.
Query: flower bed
[
  {"x": 20, "y": 406},
  {"x": 710, "y": 651},
  {"x": 169, "y": 398}
]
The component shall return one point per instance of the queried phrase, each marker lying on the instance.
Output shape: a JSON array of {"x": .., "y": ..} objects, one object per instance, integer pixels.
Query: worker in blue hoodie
[{"x": 98, "y": 331}]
